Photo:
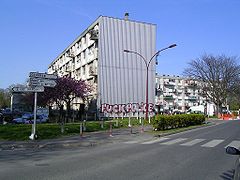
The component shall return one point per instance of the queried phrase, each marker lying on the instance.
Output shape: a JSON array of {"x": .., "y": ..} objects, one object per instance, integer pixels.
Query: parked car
[
  {"x": 39, "y": 119},
  {"x": 1, "y": 118},
  {"x": 28, "y": 118},
  {"x": 234, "y": 151},
  {"x": 6, "y": 111},
  {"x": 22, "y": 120}
]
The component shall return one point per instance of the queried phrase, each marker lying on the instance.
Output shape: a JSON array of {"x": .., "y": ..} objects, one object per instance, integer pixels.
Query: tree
[
  {"x": 66, "y": 90},
  {"x": 234, "y": 97},
  {"x": 219, "y": 76},
  {"x": 4, "y": 98}
]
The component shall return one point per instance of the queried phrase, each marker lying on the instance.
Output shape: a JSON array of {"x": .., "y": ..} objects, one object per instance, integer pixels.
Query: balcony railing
[{"x": 168, "y": 97}]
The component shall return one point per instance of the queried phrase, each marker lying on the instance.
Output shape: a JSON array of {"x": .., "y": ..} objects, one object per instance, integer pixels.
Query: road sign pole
[{"x": 35, "y": 117}]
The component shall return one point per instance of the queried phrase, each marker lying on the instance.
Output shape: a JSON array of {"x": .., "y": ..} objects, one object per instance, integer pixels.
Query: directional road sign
[
  {"x": 42, "y": 82},
  {"x": 42, "y": 75},
  {"x": 28, "y": 89}
]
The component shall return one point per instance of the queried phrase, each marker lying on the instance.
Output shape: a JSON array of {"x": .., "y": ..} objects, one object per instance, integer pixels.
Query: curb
[
  {"x": 85, "y": 141},
  {"x": 199, "y": 127}
]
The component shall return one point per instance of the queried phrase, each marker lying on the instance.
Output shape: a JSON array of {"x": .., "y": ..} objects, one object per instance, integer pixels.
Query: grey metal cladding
[{"x": 122, "y": 76}]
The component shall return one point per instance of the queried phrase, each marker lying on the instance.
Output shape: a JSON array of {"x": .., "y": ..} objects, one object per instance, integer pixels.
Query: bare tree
[{"x": 218, "y": 74}]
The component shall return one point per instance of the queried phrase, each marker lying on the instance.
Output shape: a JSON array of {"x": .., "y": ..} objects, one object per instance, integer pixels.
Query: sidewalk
[{"x": 88, "y": 139}]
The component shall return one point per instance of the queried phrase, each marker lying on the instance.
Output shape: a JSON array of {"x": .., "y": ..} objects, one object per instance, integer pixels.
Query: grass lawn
[
  {"x": 22, "y": 132},
  {"x": 49, "y": 131}
]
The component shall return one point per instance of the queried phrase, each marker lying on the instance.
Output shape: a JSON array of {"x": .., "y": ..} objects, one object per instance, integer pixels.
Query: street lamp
[{"x": 147, "y": 63}]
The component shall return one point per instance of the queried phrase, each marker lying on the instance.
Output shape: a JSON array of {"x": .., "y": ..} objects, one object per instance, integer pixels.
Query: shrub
[{"x": 163, "y": 122}]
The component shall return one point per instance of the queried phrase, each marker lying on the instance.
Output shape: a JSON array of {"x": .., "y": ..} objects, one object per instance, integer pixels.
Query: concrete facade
[
  {"x": 118, "y": 79},
  {"x": 174, "y": 93}
]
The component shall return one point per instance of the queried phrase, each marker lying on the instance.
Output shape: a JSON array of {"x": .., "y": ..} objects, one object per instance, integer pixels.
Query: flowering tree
[{"x": 66, "y": 90}]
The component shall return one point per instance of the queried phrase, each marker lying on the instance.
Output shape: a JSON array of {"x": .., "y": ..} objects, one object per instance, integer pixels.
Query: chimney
[{"x": 126, "y": 16}]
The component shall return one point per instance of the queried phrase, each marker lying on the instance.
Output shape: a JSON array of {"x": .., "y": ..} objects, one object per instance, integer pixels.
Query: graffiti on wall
[{"x": 126, "y": 108}]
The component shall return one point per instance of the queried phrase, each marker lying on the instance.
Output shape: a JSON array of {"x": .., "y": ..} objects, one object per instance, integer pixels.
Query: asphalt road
[{"x": 195, "y": 155}]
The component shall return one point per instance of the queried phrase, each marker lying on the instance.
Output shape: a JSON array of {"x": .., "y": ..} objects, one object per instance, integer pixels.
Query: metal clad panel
[
  {"x": 138, "y": 64},
  {"x": 108, "y": 61},
  {"x": 120, "y": 62},
  {"x": 124, "y": 75},
  {"x": 142, "y": 51},
  {"x": 129, "y": 63},
  {"x": 109, "y": 64},
  {"x": 100, "y": 74},
  {"x": 116, "y": 60}
]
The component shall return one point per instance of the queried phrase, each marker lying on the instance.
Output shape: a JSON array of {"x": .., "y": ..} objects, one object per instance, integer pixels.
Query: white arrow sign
[
  {"x": 42, "y": 75},
  {"x": 28, "y": 89}
]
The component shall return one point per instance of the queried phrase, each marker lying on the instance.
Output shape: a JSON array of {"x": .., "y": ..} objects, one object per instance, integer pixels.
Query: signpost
[
  {"x": 42, "y": 75},
  {"x": 42, "y": 82},
  {"x": 28, "y": 89},
  {"x": 37, "y": 82}
]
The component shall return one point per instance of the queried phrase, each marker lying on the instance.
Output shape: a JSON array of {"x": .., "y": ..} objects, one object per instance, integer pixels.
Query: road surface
[{"x": 198, "y": 154}]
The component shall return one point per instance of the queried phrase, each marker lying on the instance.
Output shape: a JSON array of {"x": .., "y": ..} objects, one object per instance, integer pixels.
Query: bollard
[
  {"x": 129, "y": 121},
  {"x": 102, "y": 124},
  {"x": 110, "y": 129},
  {"x": 131, "y": 130},
  {"x": 81, "y": 129},
  {"x": 140, "y": 120},
  {"x": 142, "y": 126},
  {"x": 116, "y": 123},
  {"x": 149, "y": 119},
  {"x": 84, "y": 125},
  {"x": 142, "y": 129}
]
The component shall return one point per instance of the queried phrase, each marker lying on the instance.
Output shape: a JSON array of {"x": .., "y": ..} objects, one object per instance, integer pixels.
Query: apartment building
[
  {"x": 174, "y": 93},
  {"x": 97, "y": 56}
]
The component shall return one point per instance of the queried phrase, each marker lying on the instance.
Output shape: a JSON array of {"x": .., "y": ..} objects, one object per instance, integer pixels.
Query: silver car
[{"x": 234, "y": 151}]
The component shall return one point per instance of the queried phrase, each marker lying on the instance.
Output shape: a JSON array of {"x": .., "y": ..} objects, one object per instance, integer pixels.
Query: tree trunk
[{"x": 68, "y": 111}]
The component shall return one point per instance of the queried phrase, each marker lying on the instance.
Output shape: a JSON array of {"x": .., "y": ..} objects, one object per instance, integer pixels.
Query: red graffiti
[{"x": 126, "y": 108}]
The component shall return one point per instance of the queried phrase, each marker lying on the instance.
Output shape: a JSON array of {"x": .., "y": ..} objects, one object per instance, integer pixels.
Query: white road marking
[
  {"x": 213, "y": 143},
  {"x": 193, "y": 142},
  {"x": 155, "y": 140},
  {"x": 130, "y": 142},
  {"x": 235, "y": 144},
  {"x": 174, "y": 141}
]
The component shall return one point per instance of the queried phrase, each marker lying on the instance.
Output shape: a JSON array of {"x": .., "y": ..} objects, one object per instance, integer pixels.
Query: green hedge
[{"x": 164, "y": 122}]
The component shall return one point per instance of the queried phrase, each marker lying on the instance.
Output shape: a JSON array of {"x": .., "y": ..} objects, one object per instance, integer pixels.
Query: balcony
[
  {"x": 92, "y": 71},
  {"x": 93, "y": 34},
  {"x": 169, "y": 86},
  {"x": 168, "y": 97},
  {"x": 192, "y": 98},
  {"x": 159, "y": 90},
  {"x": 192, "y": 85}
]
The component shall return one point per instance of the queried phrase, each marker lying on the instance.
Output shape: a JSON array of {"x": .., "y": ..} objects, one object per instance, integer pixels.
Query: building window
[
  {"x": 84, "y": 54},
  {"x": 83, "y": 70},
  {"x": 83, "y": 40},
  {"x": 78, "y": 58}
]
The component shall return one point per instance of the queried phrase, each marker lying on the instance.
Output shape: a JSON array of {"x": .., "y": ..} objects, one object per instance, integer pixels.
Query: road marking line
[
  {"x": 235, "y": 144},
  {"x": 193, "y": 142},
  {"x": 130, "y": 142},
  {"x": 174, "y": 141},
  {"x": 155, "y": 140},
  {"x": 213, "y": 143}
]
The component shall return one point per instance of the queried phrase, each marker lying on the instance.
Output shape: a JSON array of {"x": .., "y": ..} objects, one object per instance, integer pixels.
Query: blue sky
[{"x": 34, "y": 32}]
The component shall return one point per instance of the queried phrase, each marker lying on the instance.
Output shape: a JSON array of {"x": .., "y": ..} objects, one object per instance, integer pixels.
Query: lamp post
[{"x": 147, "y": 63}]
